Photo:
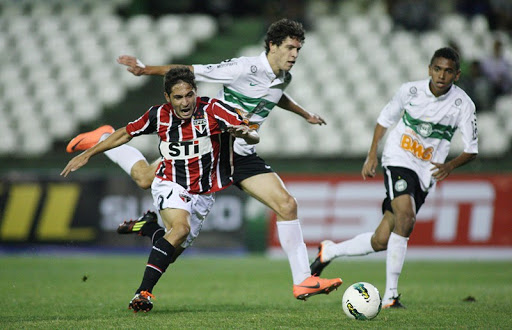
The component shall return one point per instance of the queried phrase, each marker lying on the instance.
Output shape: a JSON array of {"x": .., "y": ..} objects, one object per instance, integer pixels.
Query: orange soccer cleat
[
  {"x": 314, "y": 285},
  {"x": 141, "y": 302},
  {"x": 87, "y": 140}
]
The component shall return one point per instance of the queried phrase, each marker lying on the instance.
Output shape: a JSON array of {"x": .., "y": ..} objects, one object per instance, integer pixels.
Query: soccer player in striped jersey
[
  {"x": 426, "y": 113},
  {"x": 255, "y": 85},
  {"x": 196, "y": 145}
]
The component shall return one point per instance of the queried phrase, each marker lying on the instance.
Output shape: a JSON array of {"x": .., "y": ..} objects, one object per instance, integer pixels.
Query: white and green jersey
[
  {"x": 425, "y": 127},
  {"x": 249, "y": 85}
]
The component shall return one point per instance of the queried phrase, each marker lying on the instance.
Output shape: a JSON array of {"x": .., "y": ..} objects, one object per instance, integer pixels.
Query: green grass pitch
[{"x": 51, "y": 292}]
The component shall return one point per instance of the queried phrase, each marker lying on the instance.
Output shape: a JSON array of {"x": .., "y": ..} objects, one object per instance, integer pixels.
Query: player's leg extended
[
  {"x": 177, "y": 224},
  {"x": 359, "y": 245},
  {"x": 147, "y": 225},
  {"x": 127, "y": 157},
  {"x": 404, "y": 210},
  {"x": 269, "y": 189}
]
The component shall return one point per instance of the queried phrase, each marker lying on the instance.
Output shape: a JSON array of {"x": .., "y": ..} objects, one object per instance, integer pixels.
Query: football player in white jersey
[
  {"x": 426, "y": 114},
  {"x": 254, "y": 85}
]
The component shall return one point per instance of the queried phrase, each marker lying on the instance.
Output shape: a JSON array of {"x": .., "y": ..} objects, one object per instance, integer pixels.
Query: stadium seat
[
  {"x": 504, "y": 113},
  {"x": 202, "y": 27},
  {"x": 139, "y": 26},
  {"x": 169, "y": 24},
  {"x": 491, "y": 141},
  {"x": 479, "y": 25},
  {"x": 452, "y": 26}
]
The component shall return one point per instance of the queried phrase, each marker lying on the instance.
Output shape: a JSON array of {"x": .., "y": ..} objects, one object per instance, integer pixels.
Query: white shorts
[{"x": 170, "y": 195}]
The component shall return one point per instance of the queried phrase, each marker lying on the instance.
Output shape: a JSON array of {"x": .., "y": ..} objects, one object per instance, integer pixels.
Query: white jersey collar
[
  {"x": 442, "y": 97},
  {"x": 275, "y": 79}
]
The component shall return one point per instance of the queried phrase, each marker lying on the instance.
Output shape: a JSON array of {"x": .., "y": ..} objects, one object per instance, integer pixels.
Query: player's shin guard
[{"x": 158, "y": 261}]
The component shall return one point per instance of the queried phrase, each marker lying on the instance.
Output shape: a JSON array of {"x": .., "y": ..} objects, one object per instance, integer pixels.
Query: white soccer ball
[{"x": 361, "y": 301}]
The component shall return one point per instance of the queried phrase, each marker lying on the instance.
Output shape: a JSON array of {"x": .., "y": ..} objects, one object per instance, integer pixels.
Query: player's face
[
  {"x": 443, "y": 74},
  {"x": 283, "y": 57},
  {"x": 182, "y": 99}
]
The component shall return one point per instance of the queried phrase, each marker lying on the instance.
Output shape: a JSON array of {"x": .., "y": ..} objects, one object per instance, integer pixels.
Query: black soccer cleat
[
  {"x": 135, "y": 226},
  {"x": 141, "y": 302},
  {"x": 318, "y": 266},
  {"x": 395, "y": 303}
]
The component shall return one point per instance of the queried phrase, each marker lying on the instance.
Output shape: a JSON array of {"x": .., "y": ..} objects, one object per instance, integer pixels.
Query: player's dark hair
[
  {"x": 175, "y": 75},
  {"x": 280, "y": 30},
  {"x": 448, "y": 53}
]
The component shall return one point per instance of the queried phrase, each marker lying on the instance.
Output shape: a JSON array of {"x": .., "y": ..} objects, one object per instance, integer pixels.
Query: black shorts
[
  {"x": 247, "y": 166},
  {"x": 402, "y": 181}
]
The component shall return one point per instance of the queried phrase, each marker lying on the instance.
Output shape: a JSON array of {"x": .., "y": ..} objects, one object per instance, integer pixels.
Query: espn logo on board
[{"x": 472, "y": 211}]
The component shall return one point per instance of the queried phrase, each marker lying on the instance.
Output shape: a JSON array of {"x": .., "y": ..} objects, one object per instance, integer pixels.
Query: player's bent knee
[
  {"x": 404, "y": 224},
  {"x": 142, "y": 174},
  {"x": 182, "y": 230},
  {"x": 286, "y": 208},
  {"x": 143, "y": 183},
  {"x": 379, "y": 243}
]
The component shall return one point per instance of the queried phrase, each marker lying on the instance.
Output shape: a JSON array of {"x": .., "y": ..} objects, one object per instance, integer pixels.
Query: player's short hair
[
  {"x": 280, "y": 30},
  {"x": 175, "y": 75},
  {"x": 448, "y": 53}
]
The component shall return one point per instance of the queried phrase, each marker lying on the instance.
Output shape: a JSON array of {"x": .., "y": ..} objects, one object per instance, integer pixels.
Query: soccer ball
[{"x": 361, "y": 301}]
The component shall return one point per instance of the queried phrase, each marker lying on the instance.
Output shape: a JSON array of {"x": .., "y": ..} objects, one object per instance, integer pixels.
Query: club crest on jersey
[
  {"x": 425, "y": 129},
  {"x": 199, "y": 124},
  {"x": 401, "y": 185},
  {"x": 185, "y": 197}
]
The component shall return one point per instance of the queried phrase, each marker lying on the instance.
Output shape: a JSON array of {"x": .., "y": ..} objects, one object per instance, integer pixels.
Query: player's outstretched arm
[
  {"x": 137, "y": 68},
  {"x": 441, "y": 171},
  {"x": 116, "y": 139},
  {"x": 287, "y": 103},
  {"x": 250, "y": 136}
]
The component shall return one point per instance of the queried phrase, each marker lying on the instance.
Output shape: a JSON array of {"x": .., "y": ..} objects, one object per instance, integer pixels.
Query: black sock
[
  {"x": 149, "y": 229},
  {"x": 158, "y": 261},
  {"x": 157, "y": 235}
]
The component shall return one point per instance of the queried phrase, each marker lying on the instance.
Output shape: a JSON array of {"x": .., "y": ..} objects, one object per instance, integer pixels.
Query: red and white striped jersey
[{"x": 196, "y": 153}]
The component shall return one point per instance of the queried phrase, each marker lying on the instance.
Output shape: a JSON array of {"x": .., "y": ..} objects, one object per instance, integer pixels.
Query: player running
[{"x": 426, "y": 113}]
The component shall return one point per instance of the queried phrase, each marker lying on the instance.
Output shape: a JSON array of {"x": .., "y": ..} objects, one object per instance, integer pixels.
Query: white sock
[
  {"x": 124, "y": 156},
  {"x": 360, "y": 245},
  {"x": 292, "y": 242},
  {"x": 397, "y": 248}
]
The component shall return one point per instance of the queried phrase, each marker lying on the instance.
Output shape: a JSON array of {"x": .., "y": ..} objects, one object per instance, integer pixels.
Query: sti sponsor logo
[
  {"x": 339, "y": 211},
  {"x": 186, "y": 149}
]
